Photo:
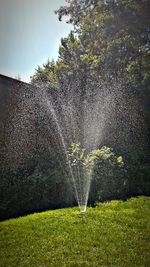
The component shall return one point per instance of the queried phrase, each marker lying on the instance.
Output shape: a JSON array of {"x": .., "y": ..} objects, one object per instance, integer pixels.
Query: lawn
[{"x": 114, "y": 233}]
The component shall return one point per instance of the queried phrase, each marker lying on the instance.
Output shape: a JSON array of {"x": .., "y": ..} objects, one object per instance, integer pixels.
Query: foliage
[
  {"x": 115, "y": 36},
  {"x": 45, "y": 74},
  {"x": 111, "y": 40},
  {"x": 78, "y": 155},
  {"x": 39, "y": 186},
  {"x": 114, "y": 233},
  {"x": 108, "y": 171}
]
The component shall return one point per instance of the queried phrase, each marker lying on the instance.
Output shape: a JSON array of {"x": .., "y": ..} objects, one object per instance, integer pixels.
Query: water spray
[{"x": 83, "y": 209}]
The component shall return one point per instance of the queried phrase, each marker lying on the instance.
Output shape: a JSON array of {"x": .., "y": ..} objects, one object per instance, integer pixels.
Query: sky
[{"x": 30, "y": 33}]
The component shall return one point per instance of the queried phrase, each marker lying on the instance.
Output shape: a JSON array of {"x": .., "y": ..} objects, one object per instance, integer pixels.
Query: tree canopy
[{"x": 111, "y": 39}]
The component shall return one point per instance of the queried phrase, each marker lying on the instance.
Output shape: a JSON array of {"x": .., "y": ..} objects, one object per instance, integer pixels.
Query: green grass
[{"x": 115, "y": 233}]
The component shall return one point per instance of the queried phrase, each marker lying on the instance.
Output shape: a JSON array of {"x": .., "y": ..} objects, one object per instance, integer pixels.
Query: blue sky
[{"x": 29, "y": 34}]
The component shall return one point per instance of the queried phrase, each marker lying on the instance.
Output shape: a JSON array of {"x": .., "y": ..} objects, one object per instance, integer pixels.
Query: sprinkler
[{"x": 83, "y": 209}]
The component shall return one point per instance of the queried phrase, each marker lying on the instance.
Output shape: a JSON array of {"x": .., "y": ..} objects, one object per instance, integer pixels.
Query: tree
[
  {"x": 45, "y": 74},
  {"x": 103, "y": 166},
  {"x": 115, "y": 35},
  {"x": 78, "y": 155}
]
